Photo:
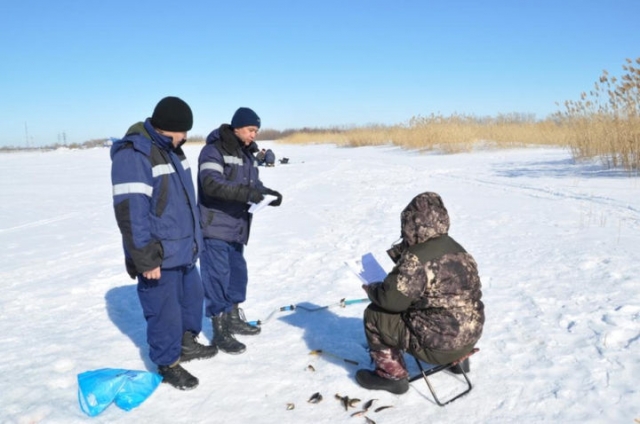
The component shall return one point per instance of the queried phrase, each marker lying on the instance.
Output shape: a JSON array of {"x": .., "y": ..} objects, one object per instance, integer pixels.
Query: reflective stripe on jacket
[
  {"x": 227, "y": 171},
  {"x": 154, "y": 201}
]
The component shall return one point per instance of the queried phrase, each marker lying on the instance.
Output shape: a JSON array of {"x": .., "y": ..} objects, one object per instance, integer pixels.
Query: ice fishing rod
[
  {"x": 333, "y": 355},
  {"x": 342, "y": 303},
  {"x": 258, "y": 323}
]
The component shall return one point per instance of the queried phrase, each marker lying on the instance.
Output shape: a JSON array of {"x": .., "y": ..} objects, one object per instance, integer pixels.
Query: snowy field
[{"x": 556, "y": 243}]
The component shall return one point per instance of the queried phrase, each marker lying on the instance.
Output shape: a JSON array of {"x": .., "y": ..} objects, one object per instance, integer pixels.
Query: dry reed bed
[{"x": 604, "y": 123}]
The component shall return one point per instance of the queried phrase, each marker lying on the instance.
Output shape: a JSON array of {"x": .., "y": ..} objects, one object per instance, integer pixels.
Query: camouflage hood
[{"x": 423, "y": 219}]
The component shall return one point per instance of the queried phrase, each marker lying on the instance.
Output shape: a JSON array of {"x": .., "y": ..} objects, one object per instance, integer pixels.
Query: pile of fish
[{"x": 347, "y": 403}]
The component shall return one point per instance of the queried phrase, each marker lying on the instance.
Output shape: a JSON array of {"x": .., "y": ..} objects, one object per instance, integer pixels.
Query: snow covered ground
[{"x": 556, "y": 243}]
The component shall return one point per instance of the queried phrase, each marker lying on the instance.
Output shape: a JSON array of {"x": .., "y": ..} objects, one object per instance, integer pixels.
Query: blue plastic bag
[{"x": 127, "y": 389}]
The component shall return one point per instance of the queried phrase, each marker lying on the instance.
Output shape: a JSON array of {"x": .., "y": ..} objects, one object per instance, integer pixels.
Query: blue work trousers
[
  {"x": 171, "y": 305},
  {"x": 224, "y": 275}
]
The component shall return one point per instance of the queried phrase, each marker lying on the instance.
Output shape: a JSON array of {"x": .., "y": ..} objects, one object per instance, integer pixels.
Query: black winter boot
[
  {"x": 223, "y": 338},
  {"x": 191, "y": 349},
  {"x": 464, "y": 365},
  {"x": 372, "y": 381},
  {"x": 177, "y": 376},
  {"x": 239, "y": 325}
]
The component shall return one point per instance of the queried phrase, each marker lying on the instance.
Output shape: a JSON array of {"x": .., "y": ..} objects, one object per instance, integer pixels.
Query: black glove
[
  {"x": 255, "y": 196},
  {"x": 276, "y": 202}
]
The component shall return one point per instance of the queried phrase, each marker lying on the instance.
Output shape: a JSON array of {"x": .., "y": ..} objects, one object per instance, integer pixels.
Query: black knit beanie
[
  {"x": 245, "y": 117},
  {"x": 172, "y": 114}
]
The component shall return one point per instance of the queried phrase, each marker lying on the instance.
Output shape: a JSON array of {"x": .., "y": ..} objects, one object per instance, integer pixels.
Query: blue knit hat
[{"x": 245, "y": 117}]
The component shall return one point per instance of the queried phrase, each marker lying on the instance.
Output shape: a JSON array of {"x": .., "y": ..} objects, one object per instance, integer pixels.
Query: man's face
[
  {"x": 176, "y": 136},
  {"x": 247, "y": 134}
]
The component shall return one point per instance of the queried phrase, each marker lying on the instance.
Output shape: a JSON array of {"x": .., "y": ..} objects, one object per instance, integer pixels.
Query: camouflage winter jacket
[{"x": 435, "y": 283}]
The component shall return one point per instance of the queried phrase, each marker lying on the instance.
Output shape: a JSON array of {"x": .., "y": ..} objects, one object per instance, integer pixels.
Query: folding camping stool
[{"x": 437, "y": 369}]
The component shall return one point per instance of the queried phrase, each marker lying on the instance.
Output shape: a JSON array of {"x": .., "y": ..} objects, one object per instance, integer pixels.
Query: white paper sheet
[
  {"x": 367, "y": 269},
  {"x": 255, "y": 207}
]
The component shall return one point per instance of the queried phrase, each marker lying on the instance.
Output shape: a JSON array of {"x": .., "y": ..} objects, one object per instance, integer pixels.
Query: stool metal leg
[{"x": 424, "y": 374}]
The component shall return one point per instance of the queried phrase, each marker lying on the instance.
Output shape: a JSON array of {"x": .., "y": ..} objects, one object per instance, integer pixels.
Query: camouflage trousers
[
  {"x": 387, "y": 338},
  {"x": 389, "y": 363}
]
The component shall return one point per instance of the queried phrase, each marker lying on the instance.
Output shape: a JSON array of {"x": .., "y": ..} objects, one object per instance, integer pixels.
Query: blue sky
[{"x": 76, "y": 70}]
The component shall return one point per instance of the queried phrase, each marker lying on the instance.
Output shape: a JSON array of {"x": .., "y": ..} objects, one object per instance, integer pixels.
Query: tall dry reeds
[
  {"x": 453, "y": 133},
  {"x": 605, "y": 122}
]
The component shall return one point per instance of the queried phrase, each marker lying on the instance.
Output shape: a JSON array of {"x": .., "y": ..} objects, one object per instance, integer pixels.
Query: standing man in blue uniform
[
  {"x": 156, "y": 210},
  {"x": 228, "y": 182}
]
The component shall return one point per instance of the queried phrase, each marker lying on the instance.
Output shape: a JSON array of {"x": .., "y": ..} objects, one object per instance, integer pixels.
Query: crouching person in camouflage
[{"x": 428, "y": 305}]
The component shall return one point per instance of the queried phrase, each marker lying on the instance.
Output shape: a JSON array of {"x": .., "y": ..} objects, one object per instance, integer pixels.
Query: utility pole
[{"x": 26, "y": 134}]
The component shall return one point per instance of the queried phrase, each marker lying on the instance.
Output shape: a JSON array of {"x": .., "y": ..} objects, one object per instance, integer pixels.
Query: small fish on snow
[
  {"x": 315, "y": 398},
  {"x": 368, "y": 404}
]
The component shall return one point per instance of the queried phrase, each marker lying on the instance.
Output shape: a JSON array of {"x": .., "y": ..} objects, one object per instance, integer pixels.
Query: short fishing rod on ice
[{"x": 342, "y": 303}]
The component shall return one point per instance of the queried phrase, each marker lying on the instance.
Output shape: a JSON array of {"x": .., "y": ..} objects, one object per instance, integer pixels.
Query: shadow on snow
[
  {"x": 123, "y": 307},
  {"x": 125, "y": 312},
  {"x": 338, "y": 337},
  {"x": 561, "y": 168}
]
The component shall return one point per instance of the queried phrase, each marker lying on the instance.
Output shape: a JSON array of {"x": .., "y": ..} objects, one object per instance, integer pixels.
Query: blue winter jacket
[
  {"x": 154, "y": 201},
  {"x": 227, "y": 172},
  {"x": 269, "y": 157}
]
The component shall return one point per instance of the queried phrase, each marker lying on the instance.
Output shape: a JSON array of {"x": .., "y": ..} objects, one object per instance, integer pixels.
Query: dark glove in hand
[
  {"x": 276, "y": 202},
  {"x": 255, "y": 196}
]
